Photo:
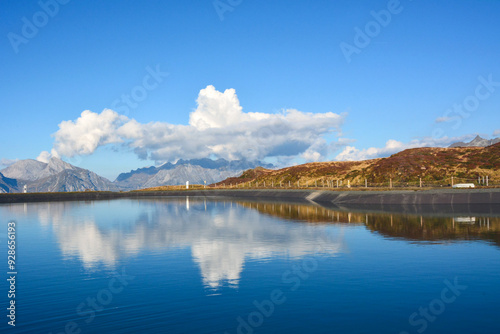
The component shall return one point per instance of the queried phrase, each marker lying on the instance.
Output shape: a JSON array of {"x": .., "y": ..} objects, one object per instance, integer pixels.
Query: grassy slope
[{"x": 431, "y": 164}]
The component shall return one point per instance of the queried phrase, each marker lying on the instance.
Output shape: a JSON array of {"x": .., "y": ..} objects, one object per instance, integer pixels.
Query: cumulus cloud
[
  {"x": 496, "y": 132},
  {"x": 351, "y": 153},
  {"x": 88, "y": 132},
  {"x": 45, "y": 156},
  {"x": 218, "y": 127}
]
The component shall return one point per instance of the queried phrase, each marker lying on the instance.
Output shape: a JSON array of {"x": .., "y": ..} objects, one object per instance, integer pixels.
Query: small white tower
[
  {"x": 25, "y": 189},
  {"x": 187, "y": 184}
]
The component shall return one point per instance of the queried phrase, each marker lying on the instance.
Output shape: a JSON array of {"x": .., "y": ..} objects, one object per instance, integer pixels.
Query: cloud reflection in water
[{"x": 221, "y": 235}]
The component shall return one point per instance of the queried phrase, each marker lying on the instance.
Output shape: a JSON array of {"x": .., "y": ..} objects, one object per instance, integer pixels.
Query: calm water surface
[{"x": 196, "y": 266}]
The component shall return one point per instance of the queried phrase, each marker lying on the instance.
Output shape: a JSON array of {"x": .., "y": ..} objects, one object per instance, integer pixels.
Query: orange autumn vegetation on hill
[{"x": 432, "y": 165}]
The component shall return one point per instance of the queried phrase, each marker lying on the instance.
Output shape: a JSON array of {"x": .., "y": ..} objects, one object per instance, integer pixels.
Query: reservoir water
[{"x": 192, "y": 265}]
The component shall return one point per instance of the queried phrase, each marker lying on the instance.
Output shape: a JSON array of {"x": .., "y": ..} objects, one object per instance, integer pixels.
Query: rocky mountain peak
[
  {"x": 28, "y": 169},
  {"x": 478, "y": 141},
  {"x": 57, "y": 165}
]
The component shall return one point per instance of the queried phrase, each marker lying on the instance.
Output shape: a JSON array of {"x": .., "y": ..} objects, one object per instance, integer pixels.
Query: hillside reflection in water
[{"x": 414, "y": 227}]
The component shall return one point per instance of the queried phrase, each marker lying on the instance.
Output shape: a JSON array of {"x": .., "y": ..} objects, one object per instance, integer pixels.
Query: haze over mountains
[{"x": 60, "y": 176}]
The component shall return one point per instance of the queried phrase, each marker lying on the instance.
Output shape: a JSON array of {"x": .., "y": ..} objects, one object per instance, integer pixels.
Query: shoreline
[{"x": 489, "y": 196}]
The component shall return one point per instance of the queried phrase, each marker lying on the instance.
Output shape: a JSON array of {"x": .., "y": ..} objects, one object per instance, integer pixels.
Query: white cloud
[
  {"x": 88, "y": 132},
  {"x": 217, "y": 127},
  {"x": 216, "y": 109},
  {"x": 311, "y": 155},
  {"x": 45, "y": 156},
  {"x": 351, "y": 153},
  {"x": 496, "y": 132}
]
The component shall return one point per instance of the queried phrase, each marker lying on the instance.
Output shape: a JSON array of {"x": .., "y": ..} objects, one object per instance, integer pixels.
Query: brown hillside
[{"x": 433, "y": 165}]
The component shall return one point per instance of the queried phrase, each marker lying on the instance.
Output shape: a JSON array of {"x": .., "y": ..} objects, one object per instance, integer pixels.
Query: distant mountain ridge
[
  {"x": 54, "y": 176},
  {"x": 28, "y": 169},
  {"x": 60, "y": 176},
  {"x": 72, "y": 180},
  {"x": 196, "y": 171},
  {"x": 477, "y": 142},
  {"x": 32, "y": 170}
]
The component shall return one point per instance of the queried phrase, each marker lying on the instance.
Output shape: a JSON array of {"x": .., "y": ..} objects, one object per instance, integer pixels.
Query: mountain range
[
  {"x": 54, "y": 176},
  {"x": 477, "y": 142},
  {"x": 196, "y": 171},
  {"x": 60, "y": 176}
]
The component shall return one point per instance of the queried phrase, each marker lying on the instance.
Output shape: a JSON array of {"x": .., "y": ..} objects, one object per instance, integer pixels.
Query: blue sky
[{"x": 275, "y": 55}]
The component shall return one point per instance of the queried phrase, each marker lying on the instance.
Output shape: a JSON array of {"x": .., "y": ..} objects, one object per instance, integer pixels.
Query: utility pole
[{"x": 420, "y": 182}]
